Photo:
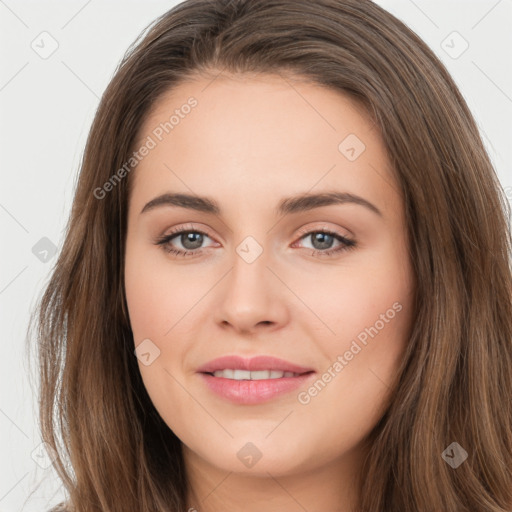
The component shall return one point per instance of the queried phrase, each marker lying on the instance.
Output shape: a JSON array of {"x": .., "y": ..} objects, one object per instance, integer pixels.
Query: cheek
[
  {"x": 368, "y": 311},
  {"x": 354, "y": 388},
  {"x": 156, "y": 300},
  {"x": 158, "y": 293},
  {"x": 371, "y": 315},
  {"x": 370, "y": 291}
]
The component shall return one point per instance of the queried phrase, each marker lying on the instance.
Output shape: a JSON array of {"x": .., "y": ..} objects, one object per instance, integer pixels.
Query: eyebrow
[{"x": 287, "y": 206}]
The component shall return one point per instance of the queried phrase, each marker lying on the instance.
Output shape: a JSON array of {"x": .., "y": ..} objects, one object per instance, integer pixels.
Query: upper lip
[{"x": 235, "y": 362}]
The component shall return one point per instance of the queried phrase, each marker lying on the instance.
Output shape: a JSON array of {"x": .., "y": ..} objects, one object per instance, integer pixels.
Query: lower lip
[{"x": 247, "y": 392}]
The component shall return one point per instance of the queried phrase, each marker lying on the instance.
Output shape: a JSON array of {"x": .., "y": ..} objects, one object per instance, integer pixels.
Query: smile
[{"x": 255, "y": 375}]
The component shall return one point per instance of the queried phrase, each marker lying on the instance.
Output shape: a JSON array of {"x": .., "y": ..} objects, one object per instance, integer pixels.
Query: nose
[{"x": 252, "y": 297}]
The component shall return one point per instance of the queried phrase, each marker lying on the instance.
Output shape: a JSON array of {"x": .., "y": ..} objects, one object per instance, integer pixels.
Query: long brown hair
[{"x": 115, "y": 453}]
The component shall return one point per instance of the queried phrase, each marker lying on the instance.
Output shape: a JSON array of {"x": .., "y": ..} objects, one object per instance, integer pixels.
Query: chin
[{"x": 253, "y": 458}]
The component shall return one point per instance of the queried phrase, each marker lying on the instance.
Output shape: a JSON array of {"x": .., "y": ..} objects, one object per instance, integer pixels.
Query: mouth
[
  {"x": 242, "y": 391},
  {"x": 239, "y": 375},
  {"x": 253, "y": 368},
  {"x": 255, "y": 380}
]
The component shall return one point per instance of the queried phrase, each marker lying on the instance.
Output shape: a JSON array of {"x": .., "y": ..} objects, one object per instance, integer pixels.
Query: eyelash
[{"x": 346, "y": 243}]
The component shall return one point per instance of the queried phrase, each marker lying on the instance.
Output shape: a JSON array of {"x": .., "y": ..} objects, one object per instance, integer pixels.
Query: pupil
[
  {"x": 321, "y": 237},
  {"x": 187, "y": 238}
]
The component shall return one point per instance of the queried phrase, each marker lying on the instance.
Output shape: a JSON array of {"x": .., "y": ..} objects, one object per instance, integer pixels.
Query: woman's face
[{"x": 275, "y": 163}]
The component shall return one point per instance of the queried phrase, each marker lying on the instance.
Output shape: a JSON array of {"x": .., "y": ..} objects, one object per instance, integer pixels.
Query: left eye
[
  {"x": 323, "y": 238},
  {"x": 192, "y": 240}
]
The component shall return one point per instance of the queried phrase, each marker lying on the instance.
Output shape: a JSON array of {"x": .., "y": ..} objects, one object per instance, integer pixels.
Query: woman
[{"x": 195, "y": 354}]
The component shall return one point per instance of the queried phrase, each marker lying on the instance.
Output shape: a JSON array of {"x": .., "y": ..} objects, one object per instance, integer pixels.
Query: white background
[{"x": 47, "y": 107}]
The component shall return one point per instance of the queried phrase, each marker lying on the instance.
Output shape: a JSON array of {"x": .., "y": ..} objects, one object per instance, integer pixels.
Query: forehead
[
  {"x": 250, "y": 105},
  {"x": 255, "y": 133}
]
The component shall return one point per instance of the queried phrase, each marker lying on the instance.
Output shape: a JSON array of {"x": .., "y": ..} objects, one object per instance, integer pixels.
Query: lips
[
  {"x": 232, "y": 378},
  {"x": 253, "y": 364},
  {"x": 255, "y": 392}
]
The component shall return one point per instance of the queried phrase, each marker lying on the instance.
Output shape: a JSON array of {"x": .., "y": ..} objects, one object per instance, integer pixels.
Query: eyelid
[
  {"x": 306, "y": 230},
  {"x": 188, "y": 227}
]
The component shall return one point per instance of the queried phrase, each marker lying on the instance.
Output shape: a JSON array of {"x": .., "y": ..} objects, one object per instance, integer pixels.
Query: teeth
[{"x": 257, "y": 375}]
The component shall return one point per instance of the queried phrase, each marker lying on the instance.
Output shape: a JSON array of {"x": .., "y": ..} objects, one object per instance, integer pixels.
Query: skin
[{"x": 251, "y": 141}]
